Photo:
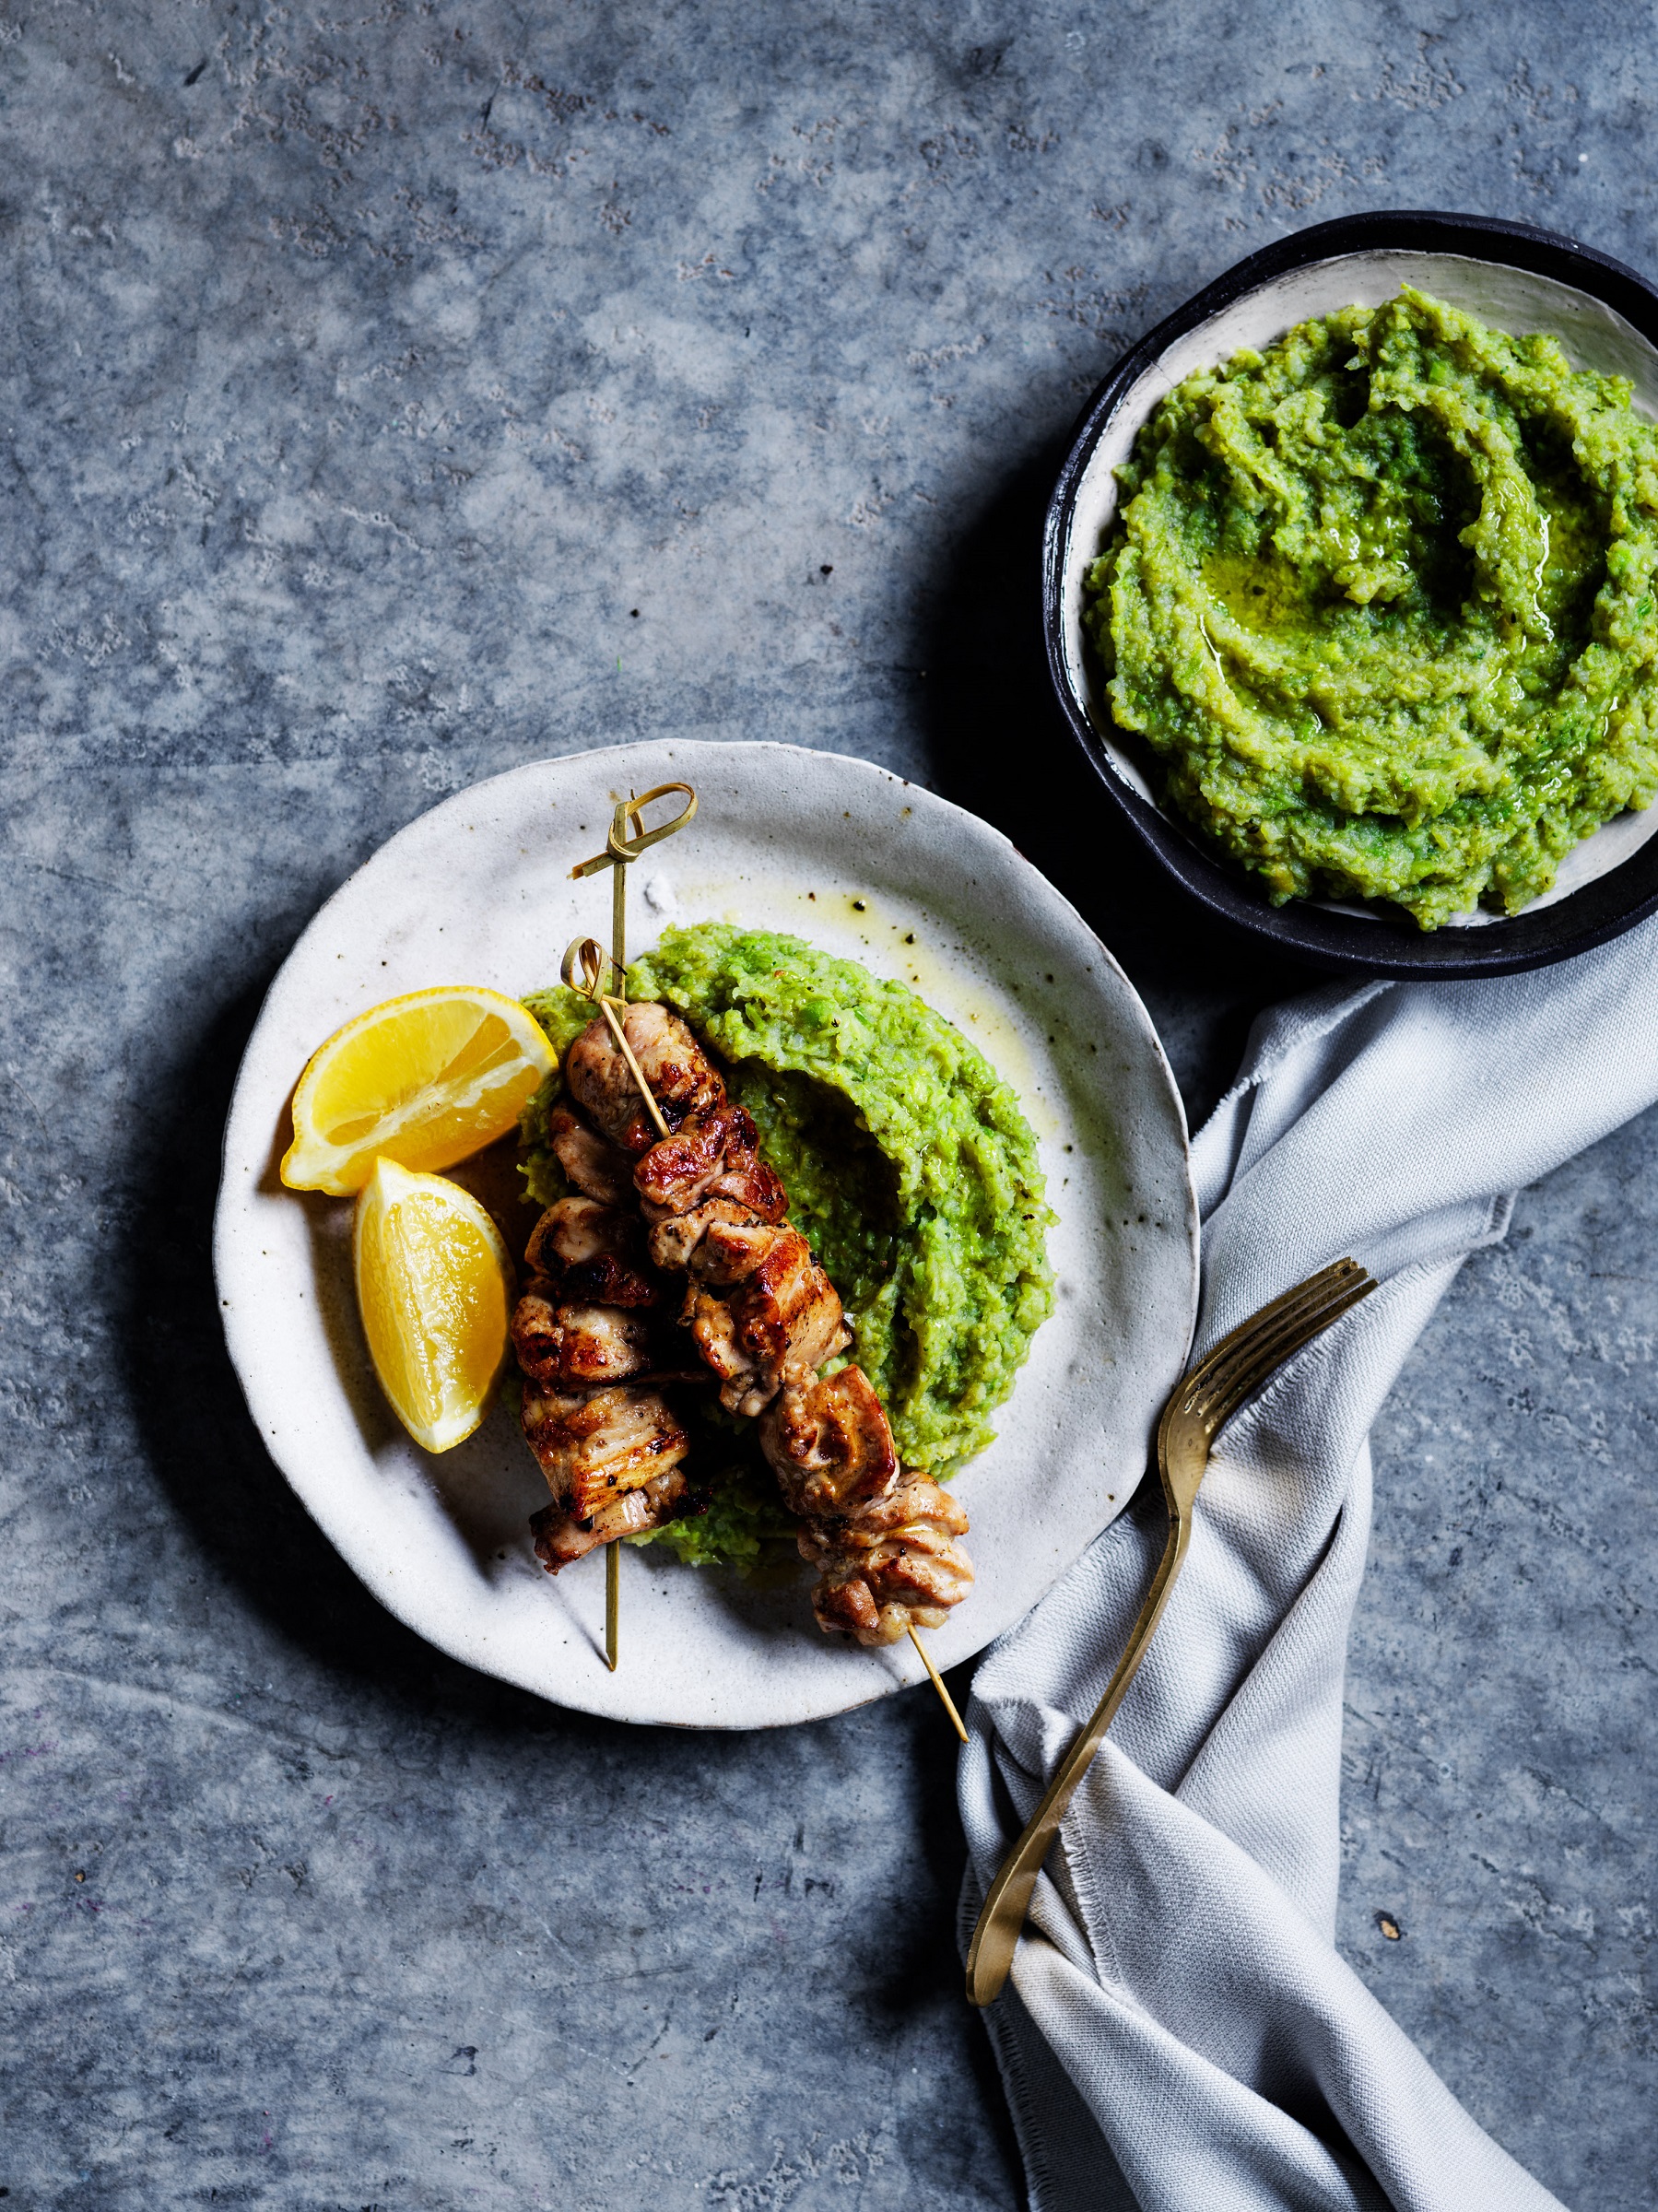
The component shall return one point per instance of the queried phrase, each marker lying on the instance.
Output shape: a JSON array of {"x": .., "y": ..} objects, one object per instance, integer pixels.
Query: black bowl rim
[{"x": 1601, "y": 910}]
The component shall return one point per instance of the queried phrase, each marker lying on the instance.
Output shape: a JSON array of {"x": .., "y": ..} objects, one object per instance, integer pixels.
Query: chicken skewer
[
  {"x": 617, "y": 1430},
  {"x": 605, "y": 1435},
  {"x": 765, "y": 1317},
  {"x": 619, "y": 850},
  {"x": 586, "y": 1331}
]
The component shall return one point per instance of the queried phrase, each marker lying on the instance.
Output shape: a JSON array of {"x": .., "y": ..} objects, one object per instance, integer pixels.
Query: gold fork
[{"x": 1195, "y": 1416}]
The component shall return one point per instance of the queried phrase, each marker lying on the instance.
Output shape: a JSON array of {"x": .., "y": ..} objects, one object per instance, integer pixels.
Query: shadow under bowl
[{"x": 1506, "y": 274}]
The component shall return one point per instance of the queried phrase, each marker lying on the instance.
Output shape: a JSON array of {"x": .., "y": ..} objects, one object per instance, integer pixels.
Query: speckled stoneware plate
[
  {"x": 1507, "y": 274},
  {"x": 479, "y": 891}
]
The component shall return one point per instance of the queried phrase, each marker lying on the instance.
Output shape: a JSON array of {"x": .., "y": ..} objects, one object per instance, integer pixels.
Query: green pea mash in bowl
[
  {"x": 908, "y": 1166},
  {"x": 1378, "y": 600}
]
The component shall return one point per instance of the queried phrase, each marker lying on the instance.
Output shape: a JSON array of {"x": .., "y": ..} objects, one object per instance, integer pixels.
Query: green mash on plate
[
  {"x": 908, "y": 1164},
  {"x": 1380, "y": 601}
]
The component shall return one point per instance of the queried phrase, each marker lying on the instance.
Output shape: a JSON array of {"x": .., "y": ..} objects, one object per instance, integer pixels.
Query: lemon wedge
[
  {"x": 425, "y": 1080},
  {"x": 434, "y": 1286}
]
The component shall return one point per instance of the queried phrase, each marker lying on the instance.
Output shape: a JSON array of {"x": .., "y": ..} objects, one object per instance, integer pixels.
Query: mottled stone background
[{"x": 395, "y": 393}]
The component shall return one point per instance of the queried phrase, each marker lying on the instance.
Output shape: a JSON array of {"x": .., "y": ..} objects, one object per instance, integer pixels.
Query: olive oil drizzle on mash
[
  {"x": 908, "y": 1166},
  {"x": 1379, "y": 600}
]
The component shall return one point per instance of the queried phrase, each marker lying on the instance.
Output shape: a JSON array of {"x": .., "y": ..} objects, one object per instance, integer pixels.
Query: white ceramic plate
[
  {"x": 478, "y": 891},
  {"x": 1594, "y": 336}
]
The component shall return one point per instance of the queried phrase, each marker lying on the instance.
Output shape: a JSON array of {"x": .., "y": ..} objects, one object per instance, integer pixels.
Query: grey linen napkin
[{"x": 1180, "y": 2032}]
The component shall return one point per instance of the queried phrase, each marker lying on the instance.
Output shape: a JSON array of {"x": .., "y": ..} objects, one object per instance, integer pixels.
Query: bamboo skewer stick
[{"x": 947, "y": 1702}]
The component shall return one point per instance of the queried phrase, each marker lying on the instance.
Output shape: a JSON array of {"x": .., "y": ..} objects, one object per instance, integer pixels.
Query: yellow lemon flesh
[
  {"x": 434, "y": 1287},
  {"x": 425, "y": 1080}
]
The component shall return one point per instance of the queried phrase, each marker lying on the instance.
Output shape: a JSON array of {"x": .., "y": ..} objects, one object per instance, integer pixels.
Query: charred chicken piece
[
  {"x": 745, "y": 1178},
  {"x": 595, "y": 1444},
  {"x": 559, "y": 1342},
  {"x": 559, "y": 1537},
  {"x": 894, "y": 1566},
  {"x": 730, "y": 1250},
  {"x": 712, "y": 1155},
  {"x": 780, "y": 1321},
  {"x": 672, "y": 1240},
  {"x": 682, "y": 1078},
  {"x": 596, "y": 1167},
  {"x": 592, "y": 1252},
  {"x": 828, "y": 1442}
]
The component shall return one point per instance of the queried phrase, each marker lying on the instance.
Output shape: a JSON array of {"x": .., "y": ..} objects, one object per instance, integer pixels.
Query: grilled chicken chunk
[
  {"x": 682, "y": 1078},
  {"x": 711, "y": 1155},
  {"x": 596, "y": 1168},
  {"x": 745, "y": 1178},
  {"x": 893, "y": 1567},
  {"x": 559, "y": 1537},
  {"x": 592, "y": 1252},
  {"x": 780, "y": 1321},
  {"x": 828, "y": 1442},
  {"x": 595, "y": 1444},
  {"x": 557, "y": 1341},
  {"x": 675, "y": 1172},
  {"x": 672, "y": 1240},
  {"x": 730, "y": 1250}
]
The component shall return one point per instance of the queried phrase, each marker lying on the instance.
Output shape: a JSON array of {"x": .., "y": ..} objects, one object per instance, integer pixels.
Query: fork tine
[
  {"x": 1252, "y": 1362},
  {"x": 1284, "y": 1343},
  {"x": 1312, "y": 1290},
  {"x": 1242, "y": 1346},
  {"x": 1263, "y": 1344}
]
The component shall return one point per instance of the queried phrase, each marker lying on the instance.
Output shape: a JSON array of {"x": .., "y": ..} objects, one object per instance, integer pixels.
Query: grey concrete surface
[{"x": 392, "y": 393}]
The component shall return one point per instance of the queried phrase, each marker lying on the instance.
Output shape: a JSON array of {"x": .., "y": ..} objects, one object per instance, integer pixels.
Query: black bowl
[{"x": 1512, "y": 277}]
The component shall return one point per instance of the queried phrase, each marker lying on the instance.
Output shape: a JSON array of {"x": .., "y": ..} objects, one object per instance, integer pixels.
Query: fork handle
[{"x": 1001, "y": 1915}]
